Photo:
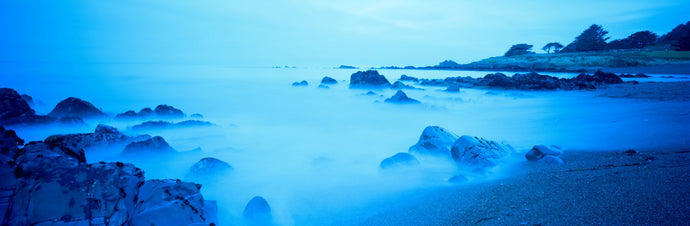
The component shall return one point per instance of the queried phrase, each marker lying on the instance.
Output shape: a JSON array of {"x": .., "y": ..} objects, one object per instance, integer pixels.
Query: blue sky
[{"x": 308, "y": 33}]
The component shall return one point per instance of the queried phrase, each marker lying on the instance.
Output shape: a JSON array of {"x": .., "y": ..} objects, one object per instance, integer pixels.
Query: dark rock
[
  {"x": 322, "y": 86},
  {"x": 639, "y": 75},
  {"x": 127, "y": 114},
  {"x": 209, "y": 167},
  {"x": 302, "y": 83},
  {"x": 584, "y": 81},
  {"x": 103, "y": 136},
  {"x": 400, "y": 85},
  {"x": 196, "y": 115},
  {"x": 401, "y": 98},
  {"x": 540, "y": 151},
  {"x": 453, "y": 88},
  {"x": 630, "y": 152},
  {"x": 75, "y": 108},
  {"x": 146, "y": 112},
  {"x": 328, "y": 80},
  {"x": 408, "y": 78},
  {"x": 498, "y": 80},
  {"x": 534, "y": 81},
  {"x": 398, "y": 160},
  {"x": 15, "y": 110},
  {"x": 154, "y": 145},
  {"x": 29, "y": 100},
  {"x": 150, "y": 125},
  {"x": 172, "y": 202},
  {"x": 370, "y": 93},
  {"x": 168, "y": 111},
  {"x": 550, "y": 159},
  {"x": 257, "y": 209},
  {"x": 434, "y": 140},
  {"x": 347, "y": 67},
  {"x": 368, "y": 79},
  {"x": 477, "y": 152}
]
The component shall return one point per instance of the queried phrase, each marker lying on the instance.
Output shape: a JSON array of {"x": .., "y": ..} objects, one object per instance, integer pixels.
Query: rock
[
  {"x": 73, "y": 107},
  {"x": 171, "y": 202},
  {"x": 639, "y": 75},
  {"x": 584, "y": 81},
  {"x": 196, "y": 115},
  {"x": 459, "y": 179},
  {"x": 103, "y": 136},
  {"x": 322, "y": 86},
  {"x": 127, "y": 114},
  {"x": 368, "y": 79},
  {"x": 328, "y": 80},
  {"x": 146, "y": 112},
  {"x": 346, "y": 67},
  {"x": 29, "y": 100},
  {"x": 398, "y": 160},
  {"x": 434, "y": 140},
  {"x": 15, "y": 110},
  {"x": 400, "y": 85},
  {"x": 408, "y": 78},
  {"x": 155, "y": 145},
  {"x": 168, "y": 111},
  {"x": 534, "y": 81},
  {"x": 257, "y": 209},
  {"x": 540, "y": 151},
  {"x": 453, "y": 88},
  {"x": 477, "y": 152},
  {"x": 370, "y": 93},
  {"x": 52, "y": 185},
  {"x": 302, "y": 83},
  {"x": 150, "y": 125},
  {"x": 498, "y": 80},
  {"x": 401, "y": 98},
  {"x": 550, "y": 159},
  {"x": 209, "y": 167}
]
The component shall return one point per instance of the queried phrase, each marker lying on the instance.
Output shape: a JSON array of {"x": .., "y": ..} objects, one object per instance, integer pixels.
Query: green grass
[{"x": 589, "y": 59}]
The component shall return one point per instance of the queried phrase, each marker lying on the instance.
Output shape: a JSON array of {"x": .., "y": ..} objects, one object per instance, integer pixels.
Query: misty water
[{"x": 314, "y": 153}]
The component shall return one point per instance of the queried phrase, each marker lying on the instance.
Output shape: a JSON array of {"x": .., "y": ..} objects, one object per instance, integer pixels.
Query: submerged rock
[
  {"x": 328, "y": 80},
  {"x": 103, "y": 136},
  {"x": 208, "y": 167},
  {"x": 478, "y": 152},
  {"x": 322, "y": 86},
  {"x": 161, "y": 111},
  {"x": 257, "y": 210},
  {"x": 154, "y": 145},
  {"x": 73, "y": 107},
  {"x": 302, "y": 83},
  {"x": 196, "y": 115},
  {"x": 399, "y": 160},
  {"x": 168, "y": 111},
  {"x": 434, "y": 140},
  {"x": 149, "y": 125},
  {"x": 639, "y": 75},
  {"x": 401, "y": 98},
  {"x": 453, "y": 88},
  {"x": 540, "y": 151},
  {"x": 408, "y": 78},
  {"x": 368, "y": 79},
  {"x": 400, "y": 85}
]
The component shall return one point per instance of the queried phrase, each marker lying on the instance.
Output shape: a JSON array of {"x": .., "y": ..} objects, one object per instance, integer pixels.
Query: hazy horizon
[{"x": 308, "y": 33}]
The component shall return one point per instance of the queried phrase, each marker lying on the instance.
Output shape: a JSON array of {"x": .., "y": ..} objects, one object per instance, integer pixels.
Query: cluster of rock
[
  {"x": 544, "y": 154},
  {"x": 49, "y": 183},
  {"x": 103, "y": 136},
  {"x": 161, "y": 111},
  {"x": 470, "y": 152},
  {"x": 15, "y": 110},
  {"x": 153, "y": 125},
  {"x": 528, "y": 81},
  {"x": 368, "y": 80},
  {"x": 302, "y": 83}
]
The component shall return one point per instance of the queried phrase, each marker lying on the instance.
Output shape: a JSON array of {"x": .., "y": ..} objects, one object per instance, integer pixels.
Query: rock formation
[
  {"x": 401, "y": 98},
  {"x": 368, "y": 79},
  {"x": 434, "y": 140},
  {"x": 73, "y": 107}
]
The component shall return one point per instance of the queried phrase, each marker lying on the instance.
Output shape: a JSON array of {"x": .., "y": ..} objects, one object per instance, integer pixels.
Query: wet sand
[
  {"x": 663, "y": 91},
  {"x": 613, "y": 187}
]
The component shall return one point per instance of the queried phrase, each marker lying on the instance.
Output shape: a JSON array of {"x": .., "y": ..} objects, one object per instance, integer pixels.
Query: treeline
[{"x": 595, "y": 38}]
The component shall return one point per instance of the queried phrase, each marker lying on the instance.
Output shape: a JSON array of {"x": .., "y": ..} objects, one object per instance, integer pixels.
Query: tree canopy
[
  {"x": 592, "y": 39},
  {"x": 638, "y": 40},
  {"x": 519, "y": 49},
  {"x": 678, "y": 38},
  {"x": 553, "y": 45}
]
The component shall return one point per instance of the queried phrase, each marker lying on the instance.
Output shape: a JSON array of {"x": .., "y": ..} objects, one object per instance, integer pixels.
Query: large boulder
[
  {"x": 257, "y": 210},
  {"x": 208, "y": 168},
  {"x": 434, "y": 140},
  {"x": 584, "y": 81},
  {"x": 401, "y": 98},
  {"x": 103, "y": 136},
  {"x": 155, "y": 145},
  {"x": 498, "y": 80},
  {"x": 328, "y": 80},
  {"x": 538, "y": 152},
  {"x": 400, "y": 159},
  {"x": 13, "y": 105},
  {"x": 73, "y": 107},
  {"x": 168, "y": 111},
  {"x": 408, "y": 78},
  {"x": 171, "y": 202},
  {"x": 535, "y": 81},
  {"x": 368, "y": 79},
  {"x": 476, "y": 152}
]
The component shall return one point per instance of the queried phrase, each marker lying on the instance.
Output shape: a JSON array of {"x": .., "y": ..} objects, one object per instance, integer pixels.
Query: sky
[{"x": 309, "y": 33}]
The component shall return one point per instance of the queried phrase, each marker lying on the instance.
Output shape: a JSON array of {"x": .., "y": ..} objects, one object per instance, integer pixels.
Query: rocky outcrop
[
  {"x": 258, "y": 210},
  {"x": 302, "y": 83},
  {"x": 400, "y": 85},
  {"x": 29, "y": 100},
  {"x": 401, "y": 98},
  {"x": 152, "y": 125},
  {"x": 15, "y": 110},
  {"x": 162, "y": 111},
  {"x": 535, "y": 81},
  {"x": 399, "y": 160},
  {"x": 408, "y": 78},
  {"x": 639, "y": 75},
  {"x": 368, "y": 79},
  {"x": 208, "y": 168},
  {"x": 498, "y": 80},
  {"x": 155, "y": 145},
  {"x": 103, "y": 136},
  {"x": 328, "y": 80},
  {"x": 584, "y": 81},
  {"x": 73, "y": 107},
  {"x": 434, "y": 140},
  {"x": 544, "y": 154},
  {"x": 476, "y": 152},
  {"x": 51, "y": 184}
]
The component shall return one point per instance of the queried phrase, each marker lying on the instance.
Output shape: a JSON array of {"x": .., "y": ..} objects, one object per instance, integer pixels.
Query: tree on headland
[
  {"x": 638, "y": 40},
  {"x": 678, "y": 38},
  {"x": 553, "y": 45},
  {"x": 519, "y": 49},
  {"x": 592, "y": 39}
]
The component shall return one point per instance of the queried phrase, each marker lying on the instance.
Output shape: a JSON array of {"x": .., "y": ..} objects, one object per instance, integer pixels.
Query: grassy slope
[{"x": 579, "y": 60}]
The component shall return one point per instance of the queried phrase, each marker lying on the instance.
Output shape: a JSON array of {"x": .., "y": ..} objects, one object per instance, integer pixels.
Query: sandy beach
[{"x": 591, "y": 188}]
